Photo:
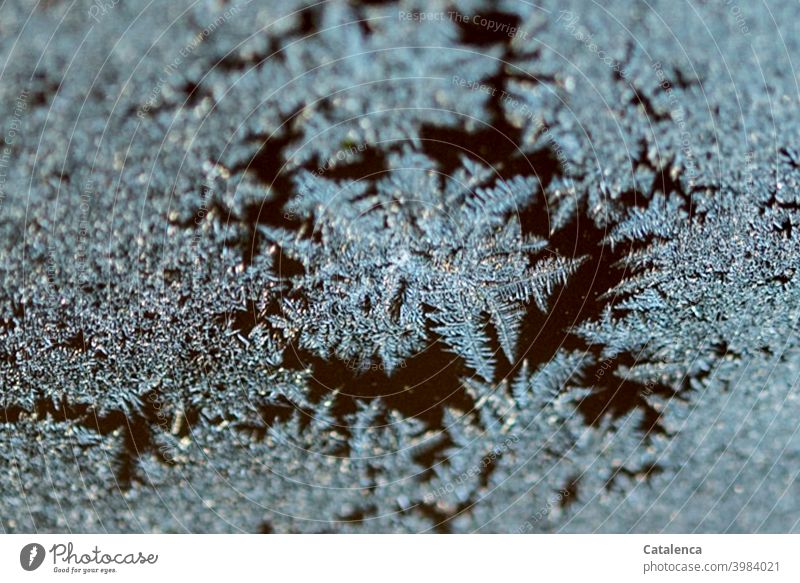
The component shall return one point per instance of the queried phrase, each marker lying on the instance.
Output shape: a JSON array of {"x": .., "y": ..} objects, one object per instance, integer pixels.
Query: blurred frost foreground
[{"x": 399, "y": 267}]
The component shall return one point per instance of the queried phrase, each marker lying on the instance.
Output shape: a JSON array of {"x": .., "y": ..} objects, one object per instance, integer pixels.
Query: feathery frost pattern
[{"x": 342, "y": 268}]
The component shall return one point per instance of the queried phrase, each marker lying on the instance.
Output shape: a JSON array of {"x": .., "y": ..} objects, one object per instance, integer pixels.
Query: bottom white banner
[{"x": 357, "y": 558}]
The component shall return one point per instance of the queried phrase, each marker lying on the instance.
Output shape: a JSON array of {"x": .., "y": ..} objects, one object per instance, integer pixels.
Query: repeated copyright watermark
[
  {"x": 485, "y": 22},
  {"x": 341, "y": 157},
  {"x": 677, "y": 115},
  {"x": 522, "y": 112},
  {"x": 472, "y": 472},
  {"x": 10, "y": 138},
  {"x": 557, "y": 499},
  {"x": 571, "y": 23},
  {"x": 183, "y": 54}
]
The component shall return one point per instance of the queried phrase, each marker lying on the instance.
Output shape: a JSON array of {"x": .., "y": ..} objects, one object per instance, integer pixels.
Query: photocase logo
[{"x": 31, "y": 556}]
